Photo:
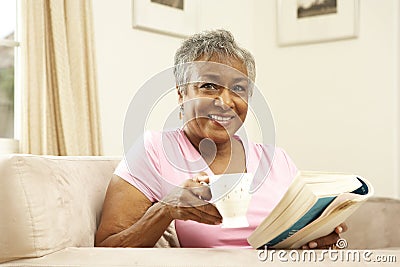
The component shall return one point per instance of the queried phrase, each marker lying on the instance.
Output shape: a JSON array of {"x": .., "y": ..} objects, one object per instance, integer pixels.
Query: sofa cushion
[
  {"x": 50, "y": 203},
  {"x": 199, "y": 257}
]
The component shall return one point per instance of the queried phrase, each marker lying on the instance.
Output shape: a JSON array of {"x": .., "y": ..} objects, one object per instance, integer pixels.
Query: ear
[{"x": 180, "y": 95}]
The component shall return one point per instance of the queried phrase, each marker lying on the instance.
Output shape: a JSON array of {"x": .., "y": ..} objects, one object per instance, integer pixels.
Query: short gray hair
[{"x": 220, "y": 43}]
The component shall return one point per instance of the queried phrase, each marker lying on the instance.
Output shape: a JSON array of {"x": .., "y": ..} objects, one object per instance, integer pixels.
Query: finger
[
  {"x": 202, "y": 219},
  {"x": 195, "y": 195},
  {"x": 199, "y": 190},
  {"x": 190, "y": 207},
  {"x": 204, "y": 207},
  {"x": 324, "y": 241},
  {"x": 341, "y": 228},
  {"x": 201, "y": 177},
  {"x": 344, "y": 227},
  {"x": 196, "y": 214},
  {"x": 183, "y": 197},
  {"x": 210, "y": 209},
  {"x": 204, "y": 180},
  {"x": 206, "y": 216},
  {"x": 189, "y": 199},
  {"x": 207, "y": 209}
]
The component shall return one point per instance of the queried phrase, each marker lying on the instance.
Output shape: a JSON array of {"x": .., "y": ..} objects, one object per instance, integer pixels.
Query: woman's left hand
[{"x": 326, "y": 241}]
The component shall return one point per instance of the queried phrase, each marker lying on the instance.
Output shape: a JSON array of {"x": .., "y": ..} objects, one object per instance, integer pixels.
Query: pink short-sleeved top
[{"x": 162, "y": 160}]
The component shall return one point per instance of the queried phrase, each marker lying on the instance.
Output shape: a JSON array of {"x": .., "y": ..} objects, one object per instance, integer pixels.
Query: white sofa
[{"x": 50, "y": 208}]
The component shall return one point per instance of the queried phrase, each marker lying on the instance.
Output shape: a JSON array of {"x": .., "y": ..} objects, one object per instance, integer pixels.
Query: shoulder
[
  {"x": 282, "y": 155},
  {"x": 278, "y": 153},
  {"x": 276, "y": 156},
  {"x": 271, "y": 152},
  {"x": 157, "y": 136},
  {"x": 157, "y": 139},
  {"x": 147, "y": 150}
]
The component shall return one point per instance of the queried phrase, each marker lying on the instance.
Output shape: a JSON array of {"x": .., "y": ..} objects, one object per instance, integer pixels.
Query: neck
[{"x": 211, "y": 150}]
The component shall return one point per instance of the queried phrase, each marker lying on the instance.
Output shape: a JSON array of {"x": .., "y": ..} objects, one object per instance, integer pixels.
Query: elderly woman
[{"x": 140, "y": 203}]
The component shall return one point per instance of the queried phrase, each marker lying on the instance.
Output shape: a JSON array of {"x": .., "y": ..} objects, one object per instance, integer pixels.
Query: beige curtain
[{"x": 60, "y": 109}]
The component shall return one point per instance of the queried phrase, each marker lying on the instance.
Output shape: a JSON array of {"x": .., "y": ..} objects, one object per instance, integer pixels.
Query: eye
[
  {"x": 239, "y": 89},
  {"x": 209, "y": 86}
]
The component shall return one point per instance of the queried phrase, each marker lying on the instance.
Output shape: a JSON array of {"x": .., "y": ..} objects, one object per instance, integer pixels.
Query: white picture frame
[
  {"x": 161, "y": 18},
  {"x": 343, "y": 23}
]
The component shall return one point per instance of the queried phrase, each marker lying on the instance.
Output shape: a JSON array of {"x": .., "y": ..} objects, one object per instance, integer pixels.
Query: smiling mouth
[{"x": 222, "y": 120}]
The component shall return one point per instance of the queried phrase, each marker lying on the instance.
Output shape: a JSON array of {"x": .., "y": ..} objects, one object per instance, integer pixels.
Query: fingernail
[
  {"x": 313, "y": 244},
  {"x": 304, "y": 247},
  {"x": 340, "y": 229}
]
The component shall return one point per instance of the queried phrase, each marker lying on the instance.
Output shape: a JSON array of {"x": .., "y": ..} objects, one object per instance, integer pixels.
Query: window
[{"x": 9, "y": 76}]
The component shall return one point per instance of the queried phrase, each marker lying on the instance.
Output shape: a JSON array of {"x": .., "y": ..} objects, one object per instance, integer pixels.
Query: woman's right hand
[{"x": 189, "y": 202}]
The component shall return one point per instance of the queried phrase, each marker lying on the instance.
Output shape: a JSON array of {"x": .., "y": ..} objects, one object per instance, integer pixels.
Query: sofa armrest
[
  {"x": 48, "y": 203},
  {"x": 375, "y": 225}
]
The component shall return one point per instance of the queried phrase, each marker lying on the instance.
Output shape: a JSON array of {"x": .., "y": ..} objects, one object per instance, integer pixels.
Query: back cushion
[{"x": 49, "y": 203}]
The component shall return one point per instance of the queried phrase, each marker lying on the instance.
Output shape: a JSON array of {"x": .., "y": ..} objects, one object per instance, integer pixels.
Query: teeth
[{"x": 219, "y": 118}]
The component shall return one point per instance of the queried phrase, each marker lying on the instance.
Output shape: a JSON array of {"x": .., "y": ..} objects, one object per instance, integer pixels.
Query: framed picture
[
  {"x": 173, "y": 17},
  {"x": 311, "y": 21}
]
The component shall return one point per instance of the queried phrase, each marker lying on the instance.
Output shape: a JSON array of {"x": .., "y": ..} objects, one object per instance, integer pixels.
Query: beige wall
[
  {"x": 335, "y": 104},
  {"x": 128, "y": 57}
]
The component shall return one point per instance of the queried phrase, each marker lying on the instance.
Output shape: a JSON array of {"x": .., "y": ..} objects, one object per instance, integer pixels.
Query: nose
[{"x": 224, "y": 100}]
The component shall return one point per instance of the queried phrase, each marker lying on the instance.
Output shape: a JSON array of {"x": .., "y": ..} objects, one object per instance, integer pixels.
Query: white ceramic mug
[{"x": 230, "y": 193}]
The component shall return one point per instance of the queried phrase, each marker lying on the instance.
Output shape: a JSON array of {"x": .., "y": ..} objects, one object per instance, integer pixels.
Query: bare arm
[
  {"x": 127, "y": 214},
  {"x": 130, "y": 219}
]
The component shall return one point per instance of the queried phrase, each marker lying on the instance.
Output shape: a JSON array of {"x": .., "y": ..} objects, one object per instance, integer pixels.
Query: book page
[
  {"x": 321, "y": 227},
  {"x": 287, "y": 222}
]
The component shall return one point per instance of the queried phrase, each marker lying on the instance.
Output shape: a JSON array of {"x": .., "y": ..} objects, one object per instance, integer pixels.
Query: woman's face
[{"x": 215, "y": 101}]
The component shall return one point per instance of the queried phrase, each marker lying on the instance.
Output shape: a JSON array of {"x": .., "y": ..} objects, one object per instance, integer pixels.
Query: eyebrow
[{"x": 216, "y": 77}]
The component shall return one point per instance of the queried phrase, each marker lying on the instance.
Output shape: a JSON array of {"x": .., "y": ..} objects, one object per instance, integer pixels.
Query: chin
[{"x": 221, "y": 136}]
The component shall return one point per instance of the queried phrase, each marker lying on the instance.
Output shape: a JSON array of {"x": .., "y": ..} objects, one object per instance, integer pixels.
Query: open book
[{"x": 314, "y": 204}]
